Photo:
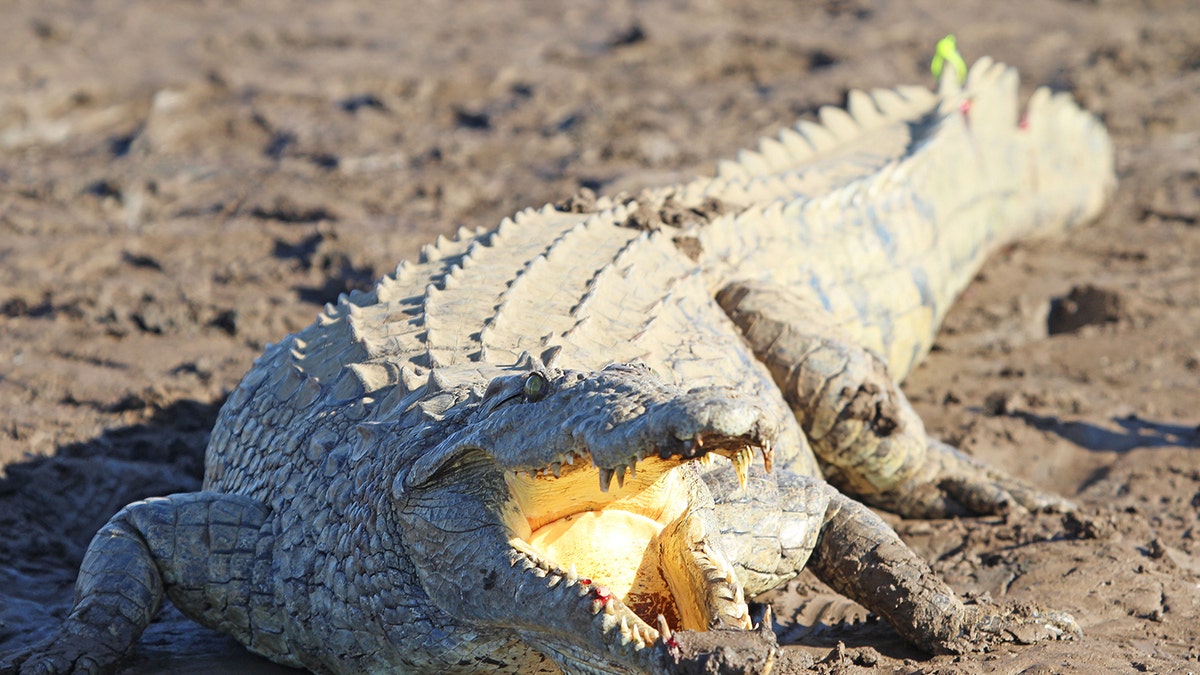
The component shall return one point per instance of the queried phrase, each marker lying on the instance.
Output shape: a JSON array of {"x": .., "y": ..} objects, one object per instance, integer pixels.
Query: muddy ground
[{"x": 181, "y": 183}]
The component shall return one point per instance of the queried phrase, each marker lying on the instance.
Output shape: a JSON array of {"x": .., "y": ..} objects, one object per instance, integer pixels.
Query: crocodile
[{"x": 580, "y": 440}]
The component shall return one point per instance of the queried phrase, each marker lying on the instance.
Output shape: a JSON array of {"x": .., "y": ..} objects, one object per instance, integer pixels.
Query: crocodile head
[{"x": 567, "y": 506}]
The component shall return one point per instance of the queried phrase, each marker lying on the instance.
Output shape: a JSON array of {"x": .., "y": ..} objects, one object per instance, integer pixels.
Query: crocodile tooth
[
  {"x": 572, "y": 574},
  {"x": 664, "y": 628},
  {"x": 606, "y": 476},
  {"x": 633, "y": 467},
  {"x": 741, "y": 464},
  {"x": 699, "y": 441},
  {"x": 621, "y": 476},
  {"x": 768, "y": 620},
  {"x": 556, "y": 469},
  {"x": 706, "y": 460},
  {"x": 768, "y": 453},
  {"x": 744, "y": 619}
]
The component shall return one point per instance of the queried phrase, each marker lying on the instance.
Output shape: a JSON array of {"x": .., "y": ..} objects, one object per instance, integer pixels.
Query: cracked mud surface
[{"x": 182, "y": 183}]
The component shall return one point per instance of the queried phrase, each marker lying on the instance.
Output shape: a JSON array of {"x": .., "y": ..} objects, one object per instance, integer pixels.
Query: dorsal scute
[
  {"x": 624, "y": 301},
  {"x": 839, "y": 123},
  {"x": 536, "y": 305},
  {"x": 753, "y": 162},
  {"x": 775, "y": 154},
  {"x": 862, "y": 108},
  {"x": 797, "y": 145},
  {"x": 809, "y": 141},
  {"x": 437, "y": 314},
  {"x": 891, "y": 103},
  {"x": 820, "y": 138},
  {"x": 729, "y": 169},
  {"x": 373, "y": 376},
  {"x": 917, "y": 96}
]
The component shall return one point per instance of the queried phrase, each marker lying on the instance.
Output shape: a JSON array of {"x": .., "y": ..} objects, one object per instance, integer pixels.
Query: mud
[{"x": 181, "y": 183}]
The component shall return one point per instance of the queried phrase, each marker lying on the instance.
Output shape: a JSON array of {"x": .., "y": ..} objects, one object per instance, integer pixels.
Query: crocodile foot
[
  {"x": 725, "y": 651},
  {"x": 987, "y": 625},
  {"x": 60, "y": 655},
  {"x": 862, "y": 558},
  {"x": 953, "y": 483}
]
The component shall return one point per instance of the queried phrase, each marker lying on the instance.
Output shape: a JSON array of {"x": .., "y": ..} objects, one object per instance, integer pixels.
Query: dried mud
[{"x": 181, "y": 183}]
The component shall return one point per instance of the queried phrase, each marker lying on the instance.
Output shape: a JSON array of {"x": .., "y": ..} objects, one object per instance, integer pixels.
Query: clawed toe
[
  {"x": 1020, "y": 623},
  {"x": 54, "y": 656},
  {"x": 988, "y": 495}
]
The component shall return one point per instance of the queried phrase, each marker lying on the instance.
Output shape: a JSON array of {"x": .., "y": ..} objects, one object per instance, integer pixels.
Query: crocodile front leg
[
  {"x": 870, "y": 441},
  {"x": 209, "y": 552},
  {"x": 859, "y": 556},
  {"x": 784, "y": 522}
]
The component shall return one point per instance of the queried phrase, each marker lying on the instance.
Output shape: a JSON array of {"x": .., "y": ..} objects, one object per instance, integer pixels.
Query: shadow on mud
[
  {"x": 51, "y": 506},
  {"x": 57, "y": 503},
  {"x": 338, "y": 272},
  {"x": 1134, "y": 432}
]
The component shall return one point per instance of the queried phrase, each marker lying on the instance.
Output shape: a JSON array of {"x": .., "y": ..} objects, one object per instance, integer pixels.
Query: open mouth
[{"x": 632, "y": 537}]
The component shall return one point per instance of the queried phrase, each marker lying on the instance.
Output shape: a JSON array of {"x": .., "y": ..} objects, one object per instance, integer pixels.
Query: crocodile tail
[
  {"x": 1046, "y": 168},
  {"x": 1057, "y": 157},
  {"x": 1074, "y": 157},
  {"x": 887, "y": 211}
]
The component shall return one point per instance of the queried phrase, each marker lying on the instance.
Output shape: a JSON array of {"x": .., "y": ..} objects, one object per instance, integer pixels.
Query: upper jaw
[
  {"x": 615, "y": 418},
  {"x": 702, "y": 446}
]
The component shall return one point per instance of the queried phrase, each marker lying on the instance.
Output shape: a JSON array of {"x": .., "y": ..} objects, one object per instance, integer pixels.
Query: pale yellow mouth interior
[
  {"x": 618, "y": 549},
  {"x": 612, "y": 538}
]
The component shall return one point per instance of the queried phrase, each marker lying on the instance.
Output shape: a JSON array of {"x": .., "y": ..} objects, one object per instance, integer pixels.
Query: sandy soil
[{"x": 181, "y": 183}]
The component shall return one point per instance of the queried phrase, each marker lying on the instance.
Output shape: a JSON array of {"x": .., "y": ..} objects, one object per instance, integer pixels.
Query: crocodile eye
[{"x": 535, "y": 387}]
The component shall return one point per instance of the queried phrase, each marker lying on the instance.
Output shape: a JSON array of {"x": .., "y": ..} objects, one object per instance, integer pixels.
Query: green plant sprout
[{"x": 947, "y": 51}]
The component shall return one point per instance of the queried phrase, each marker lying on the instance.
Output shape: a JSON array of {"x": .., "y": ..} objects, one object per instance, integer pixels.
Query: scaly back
[{"x": 883, "y": 213}]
